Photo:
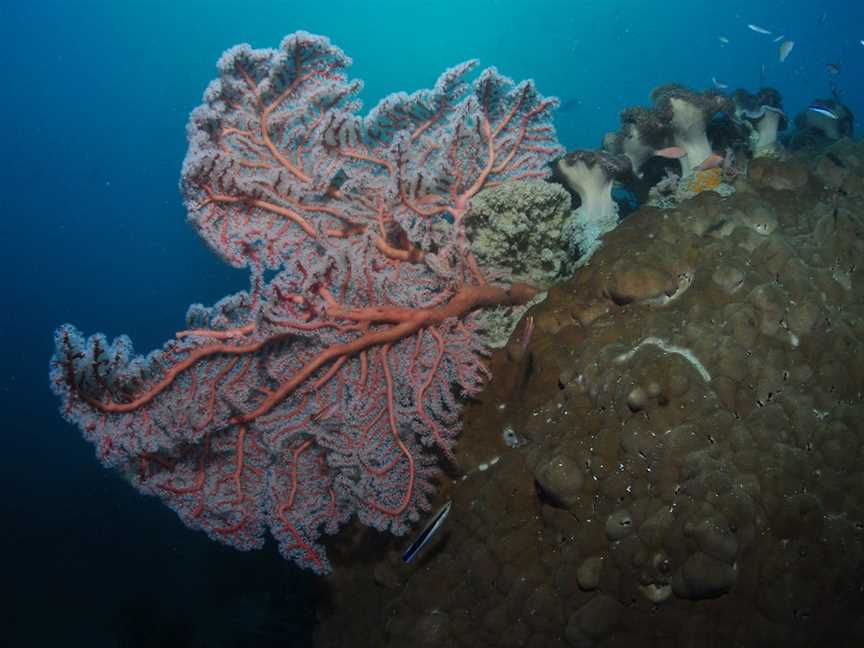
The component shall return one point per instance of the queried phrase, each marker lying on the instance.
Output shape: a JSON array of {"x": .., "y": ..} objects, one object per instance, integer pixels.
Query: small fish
[
  {"x": 711, "y": 162},
  {"x": 785, "y": 49},
  {"x": 428, "y": 531},
  {"x": 823, "y": 110},
  {"x": 725, "y": 41},
  {"x": 823, "y": 18},
  {"x": 569, "y": 105},
  {"x": 779, "y": 38},
  {"x": 833, "y": 68},
  {"x": 861, "y": 41},
  {"x": 758, "y": 29},
  {"x": 719, "y": 84},
  {"x": 671, "y": 153}
]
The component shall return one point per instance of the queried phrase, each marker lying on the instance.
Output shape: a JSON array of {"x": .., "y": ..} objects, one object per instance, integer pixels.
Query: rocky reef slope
[{"x": 676, "y": 457}]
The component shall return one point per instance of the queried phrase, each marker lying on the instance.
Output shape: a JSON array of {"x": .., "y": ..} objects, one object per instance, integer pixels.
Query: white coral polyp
[
  {"x": 688, "y": 132},
  {"x": 595, "y": 190},
  {"x": 636, "y": 150},
  {"x": 766, "y": 129}
]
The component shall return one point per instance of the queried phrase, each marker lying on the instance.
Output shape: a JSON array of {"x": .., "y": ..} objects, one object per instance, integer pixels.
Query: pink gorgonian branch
[{"x": 327, "y": 391}]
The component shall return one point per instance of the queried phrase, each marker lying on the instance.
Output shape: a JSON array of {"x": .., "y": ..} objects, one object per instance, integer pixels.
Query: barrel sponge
[{"x": 515, "y": 231}]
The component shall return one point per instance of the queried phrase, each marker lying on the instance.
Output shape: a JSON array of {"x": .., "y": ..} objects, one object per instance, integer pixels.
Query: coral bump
[{"x": 327, "y": 390}]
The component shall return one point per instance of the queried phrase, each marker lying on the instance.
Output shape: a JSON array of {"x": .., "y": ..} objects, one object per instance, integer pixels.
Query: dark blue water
[{"x": 95, "y": 96}]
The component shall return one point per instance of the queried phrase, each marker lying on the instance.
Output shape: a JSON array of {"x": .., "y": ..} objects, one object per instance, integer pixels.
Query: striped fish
[{"x": 428, "y": 531}]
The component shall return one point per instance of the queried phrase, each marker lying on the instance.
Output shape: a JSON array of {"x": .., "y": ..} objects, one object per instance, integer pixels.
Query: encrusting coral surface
[{"x": 689, "y": 467}]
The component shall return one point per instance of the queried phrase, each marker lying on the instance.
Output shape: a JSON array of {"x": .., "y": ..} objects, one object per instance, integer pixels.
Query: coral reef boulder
[{"x": 690, "y": 405}]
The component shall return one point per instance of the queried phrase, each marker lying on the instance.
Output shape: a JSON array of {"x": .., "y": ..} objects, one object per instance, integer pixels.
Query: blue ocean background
[{"x": 95, "y": 97}]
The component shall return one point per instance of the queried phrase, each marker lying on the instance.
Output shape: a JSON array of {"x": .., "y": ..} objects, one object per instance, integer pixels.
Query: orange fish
[
  {"x": 711, "y": 162},
  {"x": 671, "y": 152}
]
